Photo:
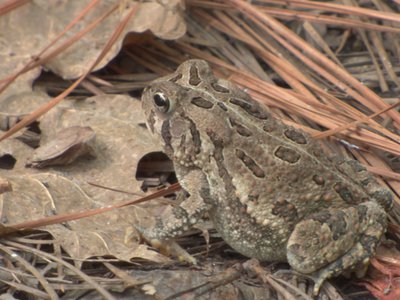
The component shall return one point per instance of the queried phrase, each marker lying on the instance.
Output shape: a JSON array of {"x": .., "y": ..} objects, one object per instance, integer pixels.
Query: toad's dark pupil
[{"x": 160, "y": 100}]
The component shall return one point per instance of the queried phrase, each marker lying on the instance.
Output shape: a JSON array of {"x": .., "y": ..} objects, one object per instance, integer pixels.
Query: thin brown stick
[
  {"x": 357, "y": 122},
  {"x": 78, "y": 215},
  {"x": 10, "y": 5}
]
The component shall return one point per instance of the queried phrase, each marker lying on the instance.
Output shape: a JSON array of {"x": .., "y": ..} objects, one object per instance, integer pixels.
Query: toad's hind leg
[{"x": 327, "y": 243}]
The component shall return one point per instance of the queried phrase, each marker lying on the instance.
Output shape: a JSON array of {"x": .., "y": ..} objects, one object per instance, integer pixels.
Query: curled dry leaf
[
  {"x": 163, "y": 18},
  {"x": 68, "y": 145}
]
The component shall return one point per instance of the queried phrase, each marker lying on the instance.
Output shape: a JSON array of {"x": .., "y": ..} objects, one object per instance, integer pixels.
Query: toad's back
[{"x": 270, "y": 190}]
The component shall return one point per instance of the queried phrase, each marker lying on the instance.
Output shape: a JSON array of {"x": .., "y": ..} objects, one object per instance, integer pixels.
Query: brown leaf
[
  {"x": 120, "y": 143},
  {"x": 164, "y": 19},
  {"x": 68, "y": 145},
  {"x": 46, "y": 194}
]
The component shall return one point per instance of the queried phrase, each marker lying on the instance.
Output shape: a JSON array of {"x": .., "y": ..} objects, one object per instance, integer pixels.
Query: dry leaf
[
  {"x": 41, "y": 195},
  {"x": 68, "y": 145},
  {"x": 121, "y": 140},
  {"x": 28, "y": 29}
]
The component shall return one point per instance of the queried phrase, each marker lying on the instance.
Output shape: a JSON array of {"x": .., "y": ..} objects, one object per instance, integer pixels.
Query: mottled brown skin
[{"x": 270, "y": 190}]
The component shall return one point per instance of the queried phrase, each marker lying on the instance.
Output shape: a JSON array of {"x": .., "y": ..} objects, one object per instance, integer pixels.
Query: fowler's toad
[{"x": 270, "y": 191}]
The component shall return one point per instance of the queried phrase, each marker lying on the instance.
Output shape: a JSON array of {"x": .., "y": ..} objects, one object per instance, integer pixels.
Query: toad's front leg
[{"x": 177, "y": 219}]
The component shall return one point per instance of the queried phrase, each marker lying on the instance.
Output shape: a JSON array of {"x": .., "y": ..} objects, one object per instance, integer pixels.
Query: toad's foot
[{"x": 330, "y": 242}]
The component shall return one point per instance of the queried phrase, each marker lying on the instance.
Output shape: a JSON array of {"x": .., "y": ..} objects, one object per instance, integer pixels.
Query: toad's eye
[{"x": 161, "y": 101}]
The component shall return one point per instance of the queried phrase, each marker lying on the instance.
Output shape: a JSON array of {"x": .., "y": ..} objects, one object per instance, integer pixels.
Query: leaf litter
[{"x": 330, "y": 70}]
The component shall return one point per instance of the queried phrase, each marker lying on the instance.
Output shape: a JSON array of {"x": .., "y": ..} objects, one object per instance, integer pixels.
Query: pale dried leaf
[
  {"x": 41, "y": 195},
  {"x": 121, "y": 140},
  {"x": 27, "y": 30},
  {"x": 16, "y": 49},
  {"x": 22, "y": 103},
  {"x": 163, "y": 18}
]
